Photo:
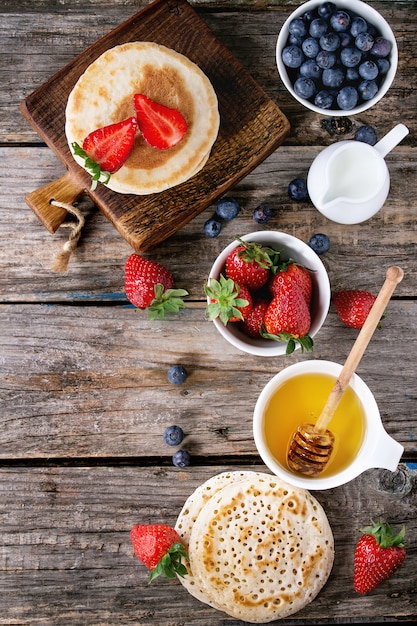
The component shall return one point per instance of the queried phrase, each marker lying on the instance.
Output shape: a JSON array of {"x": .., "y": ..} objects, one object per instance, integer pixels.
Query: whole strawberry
[
  {"x": 378, "y": 554},
  {"x": 250, "y": 264},
  {"x": 149, "y": 285},
  {"x": 292, "y": 272},
  {"x": 228, "y": 301},
  {"x": 159, "y": 548},
  {"x": 287, "y": 318},
  {"x": 353, "y": 306}
]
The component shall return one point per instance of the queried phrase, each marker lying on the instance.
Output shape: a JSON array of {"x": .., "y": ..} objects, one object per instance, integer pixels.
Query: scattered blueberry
[
  {"x": 177, "y": 374},
  {"x": 173, "y": 435},
  {"x": 227, "y": 208},
  {"x": 367, "y": 134},
  {"x": 262, "y": 214},
  {"x": 212, "y": 227},
  {"x": 297, "y": 189},
  {"x": 320, "y": 243},
  {"x": 181, "y": 458},
  {"x": 349, "y": 50}
]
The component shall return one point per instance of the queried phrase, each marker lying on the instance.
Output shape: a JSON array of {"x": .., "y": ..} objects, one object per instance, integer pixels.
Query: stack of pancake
[
  {"x": 259, "y": 549},
  {"x": 103, "y": 95}
]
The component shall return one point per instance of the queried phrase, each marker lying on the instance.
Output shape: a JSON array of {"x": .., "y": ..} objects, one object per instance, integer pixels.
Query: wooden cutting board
[{"x": 252, "y": 127}]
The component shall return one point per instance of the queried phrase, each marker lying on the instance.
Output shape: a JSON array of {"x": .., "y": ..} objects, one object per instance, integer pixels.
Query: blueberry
[
  {"x": 358, "y": 25},
  {"x": 297, "y": 189},
  {"x": 318, "y": 27},
  {"x": 330, "y": 42},
  {"x": 340, "y": 21},
  {"x": 326, "y": 59},
  {"x": 324, "y": 99},
  {"x": 367, "y": 89},
  {"x": 227, "y": 208},
  {"x": 212, "y": 227},
  {"x": 177, "y": 374},
  {"x": 333, "y": 77},
  {"x": 298, "y": 27},
  {"x": 347, "y": 98},
  {"x": 326, "y": 9},
  {"x": 262, "y": 214},
  {"x": 305, "y": 87},
  {"x": 364, "y": 41},
  {"x": 345, "y": 40},
  {"x": 173, "y": 435},
  {"x": 320, "y": 243},
  {"x": 383, "y": 66},
  {"x": 369, "y": 70},
  {"x": 310, "y": 47},
  {"x": 181, "y": 458},
  {"x": 350, "y": 57},
  {"x": 310, "y": 69},
  {"x": 352, "y": 74},
  {"x": 292, "y": 56},
  {"x": 367, "y": 134},
  {"x": 381, "y": 48}
]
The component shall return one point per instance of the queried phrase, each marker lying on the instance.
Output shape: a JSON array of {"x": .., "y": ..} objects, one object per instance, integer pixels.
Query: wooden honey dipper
[{"x": 311, "y": 445}]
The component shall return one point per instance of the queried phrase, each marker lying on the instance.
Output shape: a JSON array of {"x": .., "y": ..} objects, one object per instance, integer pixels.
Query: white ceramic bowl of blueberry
[
  {"x": 340, "y": 65},
  {"x": 290, "y": 247}
]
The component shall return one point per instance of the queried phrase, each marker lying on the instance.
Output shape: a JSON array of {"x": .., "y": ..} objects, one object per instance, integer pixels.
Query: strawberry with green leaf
[
  {"x": 228, "y": 301},
  {"x": 289, "y": 271},
  {"x": 150, "y": 285},
  {"x": 159, "y": 548},
  {"x": 106, "y": 149},
  {"x": 287, "y": 318},
  {"x": 250, "y": 264},
  {"x": 162, "y": 127},
  {"x": 378, "y": 554},
  {"x": 353, "y": 306}
]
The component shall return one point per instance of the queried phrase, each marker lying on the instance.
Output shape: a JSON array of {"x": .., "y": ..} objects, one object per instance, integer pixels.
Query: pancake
[
  {"x": 188, "y": 516},
  {"x": 103, "y": 95},
  {"x": 260, "y": 549}
]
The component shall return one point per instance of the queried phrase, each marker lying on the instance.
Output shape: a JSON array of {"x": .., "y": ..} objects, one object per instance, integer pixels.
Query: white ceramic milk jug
[{"x": 348, "y": 182}]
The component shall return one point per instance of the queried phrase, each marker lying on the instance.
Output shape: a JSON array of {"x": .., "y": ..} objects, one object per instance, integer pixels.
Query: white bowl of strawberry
[{"x": 268, "y": 294}]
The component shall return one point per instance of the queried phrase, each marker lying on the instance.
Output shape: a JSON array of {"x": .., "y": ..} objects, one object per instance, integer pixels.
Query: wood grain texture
[{"x": 84, "y": 396}]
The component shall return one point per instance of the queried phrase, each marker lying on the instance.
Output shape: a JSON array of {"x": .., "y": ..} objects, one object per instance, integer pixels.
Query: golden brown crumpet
[
  {"x": 104, "y": 94},
  {"x": 259, "y": 549}
]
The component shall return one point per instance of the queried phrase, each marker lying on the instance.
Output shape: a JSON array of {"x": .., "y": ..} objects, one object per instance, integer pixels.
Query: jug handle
[{"x": 391, "y": 139}]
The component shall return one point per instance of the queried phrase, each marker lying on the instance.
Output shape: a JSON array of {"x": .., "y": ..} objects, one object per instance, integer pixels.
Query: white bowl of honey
[{"x": 296, "y": 395}]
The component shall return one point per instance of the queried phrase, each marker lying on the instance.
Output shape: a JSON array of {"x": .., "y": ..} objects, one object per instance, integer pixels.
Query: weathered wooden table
[{"x": 83, "y": 375}]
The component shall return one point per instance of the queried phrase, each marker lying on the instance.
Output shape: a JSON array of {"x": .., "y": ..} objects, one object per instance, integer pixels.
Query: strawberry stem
[
  {"x": 306, "y": 342},
  {"x": 384, "y": 535},
  {"x": 171, "y": 564},
  {"x": 91, "y": 166},
  {"x": 169, "y": 301}
]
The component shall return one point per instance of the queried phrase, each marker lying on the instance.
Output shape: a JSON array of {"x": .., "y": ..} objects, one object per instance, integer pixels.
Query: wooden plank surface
[{"x": 84, "y": 397}]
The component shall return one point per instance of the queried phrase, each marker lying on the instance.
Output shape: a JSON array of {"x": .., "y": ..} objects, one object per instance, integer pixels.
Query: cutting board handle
[{"x": 65, "y": 190}]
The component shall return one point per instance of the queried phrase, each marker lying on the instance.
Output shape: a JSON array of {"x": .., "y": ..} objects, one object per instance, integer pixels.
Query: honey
[{"x": 300, "y": 400}]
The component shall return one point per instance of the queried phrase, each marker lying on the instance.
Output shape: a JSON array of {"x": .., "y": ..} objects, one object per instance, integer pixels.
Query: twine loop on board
[{"x": 62, "y": 258}]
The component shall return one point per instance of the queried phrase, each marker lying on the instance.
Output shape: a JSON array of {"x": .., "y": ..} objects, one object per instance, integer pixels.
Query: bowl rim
[
  {"x": 269, "y": 347},
  {"x": 361, "y": 8},
  {"x": 370, "y": 407}
]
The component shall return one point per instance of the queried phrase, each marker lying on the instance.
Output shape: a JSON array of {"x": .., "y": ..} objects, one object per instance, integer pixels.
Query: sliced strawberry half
[
  {"x": 161, "y": 126},
  {"x": 111, "y": 145}
]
